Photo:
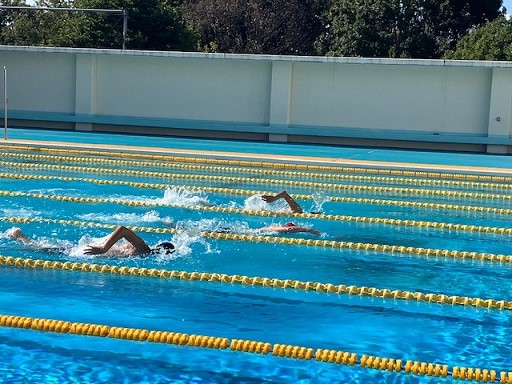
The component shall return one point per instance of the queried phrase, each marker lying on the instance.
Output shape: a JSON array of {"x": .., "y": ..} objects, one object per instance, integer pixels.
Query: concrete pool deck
[{"x": 429, "y": 161}]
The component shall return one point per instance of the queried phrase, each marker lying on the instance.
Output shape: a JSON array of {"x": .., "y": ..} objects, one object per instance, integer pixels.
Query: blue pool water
[{"x": 399, "y": 329}]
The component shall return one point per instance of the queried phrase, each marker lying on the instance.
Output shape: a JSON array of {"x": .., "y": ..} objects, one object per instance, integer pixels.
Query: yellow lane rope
[
  {"x": 259, "y": 347},
  {"x": 225, "y": 191},
  {"x": 261, "y": 164},
  {"x": 218, "y": 209},
  {"x": 279, "y": 182},
  {"x": 385, "y": 248},
  {"x": 297, "y": 174},
  {"x": 264, "y": 282},
  {"x": 231, "y": 191}
]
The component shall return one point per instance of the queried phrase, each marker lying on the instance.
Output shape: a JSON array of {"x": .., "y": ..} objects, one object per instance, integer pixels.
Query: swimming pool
[{"x": 409, "y": 282}]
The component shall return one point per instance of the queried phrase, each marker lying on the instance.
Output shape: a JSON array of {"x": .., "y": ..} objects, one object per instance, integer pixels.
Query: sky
[{"x": 508, "y": 4}]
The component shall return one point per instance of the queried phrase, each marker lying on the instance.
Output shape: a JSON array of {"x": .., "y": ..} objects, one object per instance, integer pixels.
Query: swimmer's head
[
  {"x": 290, "y": 224},
  {"x": 165, "y": 247}
]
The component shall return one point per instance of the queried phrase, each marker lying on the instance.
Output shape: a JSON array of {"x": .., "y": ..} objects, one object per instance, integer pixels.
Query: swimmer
[
  {"x": 289, "y": 228},
  {"x": 135, "y": 245},
  {"x": 292, "y": 204},
  {"x": 15, "y": 233}
]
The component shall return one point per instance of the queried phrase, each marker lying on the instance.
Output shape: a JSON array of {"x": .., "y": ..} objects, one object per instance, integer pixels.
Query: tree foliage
[
  {"x": 492, "y": 41},
  {"x": 401, "y": 28},
  {"x": 370, "y": 28},
  {"x": 256, "y": 26},
  {"x": 32, "y": 28},
  {"x": 152, "y": 24}
]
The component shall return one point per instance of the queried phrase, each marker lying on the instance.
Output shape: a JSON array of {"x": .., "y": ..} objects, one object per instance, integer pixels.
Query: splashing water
[
  {"x": 189, "y": 232},
  {"x": 9, "y": 233},
  {"x": 213, "y": 225},
  {"x": 53, "y": 191},
  {"x": 44, "y": 244},
  {"x": 19, "y": 212},
  {"x": 184, "y": 197},
  {"x": 128, "y": 218},
  {"x": 182, "y": 240},
  {"x": 77, "y": 250},
  {"x": 319, "y": 199},
  {"x": 256, "y": 203}
]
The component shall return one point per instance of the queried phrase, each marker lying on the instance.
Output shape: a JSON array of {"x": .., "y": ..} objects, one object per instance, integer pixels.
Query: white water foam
[
  {"x": 319, "y": 199},
  {"x": 184, "y": 197},
  {"x": 213, "y": 225},
  {"x": 36, "y": 243},
  {"x": 128, "y": 219},
  {"x": 255, "y": 202},
  {"x": 49, "y": 191},
  {"x": 19, "y": 212}
]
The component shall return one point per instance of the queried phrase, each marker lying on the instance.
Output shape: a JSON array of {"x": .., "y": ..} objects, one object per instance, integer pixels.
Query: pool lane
[{"x": 500, "y": 165}]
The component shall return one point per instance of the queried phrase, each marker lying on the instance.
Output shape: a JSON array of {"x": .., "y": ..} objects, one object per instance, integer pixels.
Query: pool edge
[{"x": 311, "y": 160}]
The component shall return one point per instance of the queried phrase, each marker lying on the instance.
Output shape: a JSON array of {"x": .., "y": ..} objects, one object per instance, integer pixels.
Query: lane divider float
[
  {"x": 263, "y": 213},
  {"x": 261, "y": 164},
  {"x": 262, "y": 282},
  {"x": 337, "y": 199},
  {"x": 251, "y": 346},
  {"x": 279, "y": 182},
  {"x": 265, "y": 171}
]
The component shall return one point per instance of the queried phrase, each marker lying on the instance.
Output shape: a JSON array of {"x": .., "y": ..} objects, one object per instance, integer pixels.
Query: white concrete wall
[
  {"x": 40, "y": 82},
  {"x": 391, "y": 97},
  {"x": 187, "y": 89},
  {"x": 423, "y": 100}
]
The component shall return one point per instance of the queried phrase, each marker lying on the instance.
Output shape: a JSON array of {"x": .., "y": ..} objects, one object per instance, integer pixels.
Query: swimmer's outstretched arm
[
  {"x": 294, "y": 206},
  {"x": 292, "y": 229},
  {"x": 306, "y": 229},
  {"x": 119, "y": 233},
  {"x": 296, "y": 229}
]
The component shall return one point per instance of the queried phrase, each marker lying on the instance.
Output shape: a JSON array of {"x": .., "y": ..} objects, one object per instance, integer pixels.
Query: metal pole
[
  {"x": 125, "y": 27},
  {"x": 5, "y": 103}
]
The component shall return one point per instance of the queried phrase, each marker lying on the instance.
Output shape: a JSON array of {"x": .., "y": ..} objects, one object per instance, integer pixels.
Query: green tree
[
  {"x": 492, "y": 41},
  {"x": 152, "y": 24},
  {"x": 256, "y": 26},
  {"x": 401, "y": 28},
  {"x": 21, "y": 27}
]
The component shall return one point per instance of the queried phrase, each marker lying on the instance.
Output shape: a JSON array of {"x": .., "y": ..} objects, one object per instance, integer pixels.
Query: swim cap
[
  {"x": 290, "y": 224},
  {"x": 166, "y": 247}
]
